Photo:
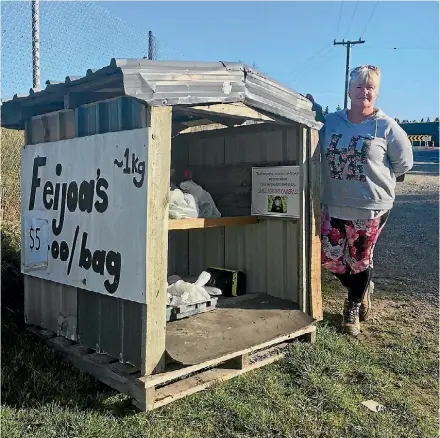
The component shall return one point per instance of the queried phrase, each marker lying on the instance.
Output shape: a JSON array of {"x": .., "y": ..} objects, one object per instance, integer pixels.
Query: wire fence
[{"x": 74, "y": 36}]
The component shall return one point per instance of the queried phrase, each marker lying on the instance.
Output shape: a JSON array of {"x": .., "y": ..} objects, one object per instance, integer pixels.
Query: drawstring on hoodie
[{"x": 375, "y": 129}]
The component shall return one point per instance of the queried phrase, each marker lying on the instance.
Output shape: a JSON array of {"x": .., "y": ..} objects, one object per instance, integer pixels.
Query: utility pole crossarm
[{"x": 348, "y": 45}]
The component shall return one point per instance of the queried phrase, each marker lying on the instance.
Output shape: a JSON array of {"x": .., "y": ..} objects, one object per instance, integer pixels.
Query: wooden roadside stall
[{"x": 97, "y": 242}]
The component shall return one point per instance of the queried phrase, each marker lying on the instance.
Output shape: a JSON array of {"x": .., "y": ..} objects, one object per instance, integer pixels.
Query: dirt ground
[{"x": 407, "y": 253}]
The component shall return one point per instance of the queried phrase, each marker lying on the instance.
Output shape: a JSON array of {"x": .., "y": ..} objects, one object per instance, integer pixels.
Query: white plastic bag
[
  {"x": 182, "y": 205},
  {"x": 187, "y": 293},
  {"x": 205, "y": 203},
  {"x": 181, "y": 293}
]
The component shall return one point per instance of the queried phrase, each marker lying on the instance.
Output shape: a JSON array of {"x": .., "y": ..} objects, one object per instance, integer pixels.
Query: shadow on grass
[
  {"x": 34, "y": 376},
  {"x": 333, "y": 320},
  {"x": 12, "y": 292}
]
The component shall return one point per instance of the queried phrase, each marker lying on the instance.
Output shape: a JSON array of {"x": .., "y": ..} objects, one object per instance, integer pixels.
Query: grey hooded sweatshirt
[{"x": 360, "y": 162}]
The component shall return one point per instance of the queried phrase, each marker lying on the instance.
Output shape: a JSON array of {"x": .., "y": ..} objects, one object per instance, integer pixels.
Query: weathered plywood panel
[
  {"x": 47, "y": 304},
  {"x": 117, "y": 330}
]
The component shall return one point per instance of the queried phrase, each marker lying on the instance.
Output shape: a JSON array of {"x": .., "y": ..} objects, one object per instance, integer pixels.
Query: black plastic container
[{"x": 232, "y": 283}]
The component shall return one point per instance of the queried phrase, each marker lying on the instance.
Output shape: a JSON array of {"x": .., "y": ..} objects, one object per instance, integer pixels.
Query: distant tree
[
  {"x": 397, "y": 120},
  {"x": 428, "y": 119},
  {"x": 422, "y": 120},
  {"x": 414, "y": 121},
  {"x": 437, "y": 120},
  {"x": 404, "y": 121},
  {"x": 326, "y": 111},
  {"x": 338, "y": 108}
]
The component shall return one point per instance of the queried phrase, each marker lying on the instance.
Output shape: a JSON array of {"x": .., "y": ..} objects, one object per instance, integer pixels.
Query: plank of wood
[
  {"x": 186, "y": 224},
  {"x": 210, "y": 335},
  {"x": 198, "y": 382},
  {"x": 303, "y": 222},
  {"x": 237, "y": 110},
  {"x": 158, "y": 379},
  {"x": 123, "y": 368},
  {"x": 315, "y": 227},
  {"x": 126, "y": 384},
  {"x": 154, "y": 315}
]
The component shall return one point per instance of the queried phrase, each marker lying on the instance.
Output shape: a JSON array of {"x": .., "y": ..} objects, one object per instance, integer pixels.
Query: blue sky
[{"x": 290, "y": 41}]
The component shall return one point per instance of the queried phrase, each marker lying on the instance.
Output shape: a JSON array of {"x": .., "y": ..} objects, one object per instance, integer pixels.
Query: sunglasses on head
[{"x": 370, "y": 67}]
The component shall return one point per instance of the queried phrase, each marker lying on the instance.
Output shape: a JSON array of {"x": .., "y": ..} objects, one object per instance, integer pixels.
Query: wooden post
[
  {"x": 309, "y": 247},
  {"x": 314, "y": 165},
  {"x": 154, "y": 315},
  {"x": 303, "y": 221}
]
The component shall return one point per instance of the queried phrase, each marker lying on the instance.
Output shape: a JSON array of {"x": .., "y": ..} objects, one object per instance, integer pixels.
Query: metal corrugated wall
[{"x": 268, "y": 251}]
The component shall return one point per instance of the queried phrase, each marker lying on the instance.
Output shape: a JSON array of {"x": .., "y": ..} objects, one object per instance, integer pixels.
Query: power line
[
  {"x": 369, "y": 19},
  {"x": 339, "y": 21},
  {"x": 351, "y": 20},
  {"x": 400, "y": 48},
  {"x": 299, "y": 68},
  {"x": 328, "y": 56}
]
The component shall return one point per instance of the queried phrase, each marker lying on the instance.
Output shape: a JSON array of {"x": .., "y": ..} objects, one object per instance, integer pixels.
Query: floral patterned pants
[{"x": 347, "y": 246}]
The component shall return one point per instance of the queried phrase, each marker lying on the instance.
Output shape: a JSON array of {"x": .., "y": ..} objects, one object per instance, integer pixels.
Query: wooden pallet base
[{"x": 151, "y": 392}]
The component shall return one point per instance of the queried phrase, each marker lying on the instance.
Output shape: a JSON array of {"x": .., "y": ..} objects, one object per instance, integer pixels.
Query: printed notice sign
[
  {"x": 84, "y": 212},
  {"x": 275, "y": 191}
]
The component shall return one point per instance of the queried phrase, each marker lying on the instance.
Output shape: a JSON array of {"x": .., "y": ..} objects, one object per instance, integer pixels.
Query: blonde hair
[{"x": 365, "y": 73}]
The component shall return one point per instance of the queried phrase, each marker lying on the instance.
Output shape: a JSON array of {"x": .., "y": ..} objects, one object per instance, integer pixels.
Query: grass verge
[{"x": 315, "y": 392}]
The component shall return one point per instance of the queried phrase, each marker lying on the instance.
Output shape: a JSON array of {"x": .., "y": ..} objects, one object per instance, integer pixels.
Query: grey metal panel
[
  {"x": 32, "y": 300},
  {"x": 131, "y": 332},
  {"x": 111, "y": 326},
  {"x": 206, "y": 151},
  {"x": 167, "y": 83},
  {"x": 245, "y": 249},
  {"x": 264, "y": 251},
  {"x": 178, "y": 241},
  {"x": 206, "y": 248},
  {"x": 178, "y": 253},
  {"x": 89, "y": 312},
  {"x": 291, "y": 142}
]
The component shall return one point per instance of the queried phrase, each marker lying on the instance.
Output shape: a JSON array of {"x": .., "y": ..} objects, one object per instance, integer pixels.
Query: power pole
[
  {"x": 348, "y": 45},
  {"x": 35, "y": 44},
  {"x": 150, "y": 45}
]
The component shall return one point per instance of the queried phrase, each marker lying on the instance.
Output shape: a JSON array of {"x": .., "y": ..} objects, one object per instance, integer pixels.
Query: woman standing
[{"x": 363, "y": 151}]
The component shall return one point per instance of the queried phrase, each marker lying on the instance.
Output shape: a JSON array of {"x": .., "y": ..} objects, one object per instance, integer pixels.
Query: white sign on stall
[
  {"x": 84, "y": 212},
  {"x": 275, "y": 191}
]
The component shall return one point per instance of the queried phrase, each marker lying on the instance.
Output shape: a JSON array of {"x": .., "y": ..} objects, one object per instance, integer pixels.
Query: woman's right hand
[{"x": 310, "y": 97}]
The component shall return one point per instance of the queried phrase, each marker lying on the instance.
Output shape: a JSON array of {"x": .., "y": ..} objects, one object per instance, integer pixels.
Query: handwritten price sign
[
  {"x": 36, "y": 246},
  {"x": 84, "y": 204}
]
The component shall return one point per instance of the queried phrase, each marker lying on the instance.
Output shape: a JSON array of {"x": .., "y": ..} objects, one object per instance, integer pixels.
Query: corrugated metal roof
[{"x": 160, "y": 83}]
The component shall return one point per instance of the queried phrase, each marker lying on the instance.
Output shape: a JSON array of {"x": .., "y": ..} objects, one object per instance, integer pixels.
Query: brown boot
[
  {"x": 365, "y": 309},
  {"x": 350, "y": 321}
]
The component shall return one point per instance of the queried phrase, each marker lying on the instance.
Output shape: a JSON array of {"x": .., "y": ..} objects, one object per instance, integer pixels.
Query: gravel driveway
[{"x": 407, "y": 253}]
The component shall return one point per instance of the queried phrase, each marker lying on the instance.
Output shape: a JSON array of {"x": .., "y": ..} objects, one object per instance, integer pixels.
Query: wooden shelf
[{"x": 187, "y": 224}]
